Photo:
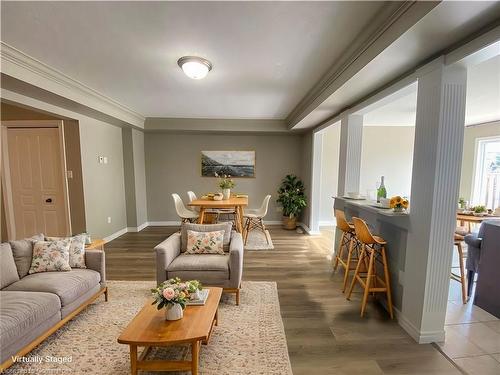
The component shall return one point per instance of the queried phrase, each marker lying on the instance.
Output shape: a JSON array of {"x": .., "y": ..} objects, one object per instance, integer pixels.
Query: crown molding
[
  {"x": 399, "y": 18},
  {"x": 19, "y": 65}
]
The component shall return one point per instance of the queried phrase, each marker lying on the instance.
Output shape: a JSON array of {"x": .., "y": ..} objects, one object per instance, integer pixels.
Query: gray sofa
[
  {"x": 210, "y": 269},
  {"x": 483, "y": 257},
  {"x": 34, "y": 306}
]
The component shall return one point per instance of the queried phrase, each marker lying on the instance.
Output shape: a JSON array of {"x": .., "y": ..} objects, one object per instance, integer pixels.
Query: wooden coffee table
[{"x": 149, "y": 329}]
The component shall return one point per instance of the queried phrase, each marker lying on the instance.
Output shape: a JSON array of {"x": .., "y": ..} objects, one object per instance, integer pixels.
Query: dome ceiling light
[{"x": 195, "y": 67}]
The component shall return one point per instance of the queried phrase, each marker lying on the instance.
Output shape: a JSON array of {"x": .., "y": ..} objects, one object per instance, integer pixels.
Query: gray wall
[
  {"x": 103, "y": 184},
  {"x": 173, "y": 166}
]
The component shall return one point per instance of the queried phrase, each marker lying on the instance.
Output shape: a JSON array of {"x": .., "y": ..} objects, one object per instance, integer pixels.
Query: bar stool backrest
[
  {"x": 362, "y": 232},
  {"x": 342, "y": 223}
]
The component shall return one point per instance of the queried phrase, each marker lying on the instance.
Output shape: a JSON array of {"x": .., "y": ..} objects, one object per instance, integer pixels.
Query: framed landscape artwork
[{"x": 234, "y": 163}]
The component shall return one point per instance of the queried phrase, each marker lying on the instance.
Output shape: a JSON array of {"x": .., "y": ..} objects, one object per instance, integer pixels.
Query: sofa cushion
[
  {"x": 205, "y": 262},
  {"x": 67, "y": 285},
  {"x": 50, "y": 256},
  {"x": 76, "y": 249},
  {"x": 8, "y": 270},
  {"x": 23, "y": 253},
  {"x": 22, "y": 312},
  {"x": 226, "y": 227},
  {"x": 205, "y": 242}
]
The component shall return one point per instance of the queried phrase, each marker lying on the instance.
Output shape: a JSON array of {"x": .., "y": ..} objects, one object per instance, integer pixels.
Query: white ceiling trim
[{"x": 25, "y": 68}]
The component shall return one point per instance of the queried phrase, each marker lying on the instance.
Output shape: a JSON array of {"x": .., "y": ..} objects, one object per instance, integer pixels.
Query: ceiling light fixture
[{"x": 195, "y": 67}]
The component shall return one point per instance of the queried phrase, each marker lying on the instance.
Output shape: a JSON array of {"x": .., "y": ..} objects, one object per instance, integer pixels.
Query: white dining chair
[
  {"x": 192, "y": 197},
  {"x": 185, "y": 214},
  {"x": 254, "y": 218}
]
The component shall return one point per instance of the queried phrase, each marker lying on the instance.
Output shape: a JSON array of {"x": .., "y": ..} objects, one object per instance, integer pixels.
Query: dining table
[
  {"x": 238, "y": 203},
  {"x": 472, "y": 219}
]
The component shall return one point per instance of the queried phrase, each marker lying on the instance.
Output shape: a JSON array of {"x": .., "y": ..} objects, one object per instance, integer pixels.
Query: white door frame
[
  {"x": 6, "y": 181},
  {"x": 316, "y": 160}
]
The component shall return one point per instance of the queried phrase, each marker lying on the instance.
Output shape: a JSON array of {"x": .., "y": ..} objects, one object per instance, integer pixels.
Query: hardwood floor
[{"x": 324, "y": 332}]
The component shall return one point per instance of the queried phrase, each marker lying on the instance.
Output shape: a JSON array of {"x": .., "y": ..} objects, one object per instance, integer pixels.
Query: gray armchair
[{"x": 210, "y": 269}]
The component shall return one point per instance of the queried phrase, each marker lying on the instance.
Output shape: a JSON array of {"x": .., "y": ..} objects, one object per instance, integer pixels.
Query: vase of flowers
[
  {"x": 399, "y": 204},
  {"x": 173, "y": 295},
  {"x": 226, "y": 183}
]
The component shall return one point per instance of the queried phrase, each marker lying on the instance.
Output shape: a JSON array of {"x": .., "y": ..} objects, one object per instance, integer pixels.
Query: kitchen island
[{"x": 391, "y": 226}]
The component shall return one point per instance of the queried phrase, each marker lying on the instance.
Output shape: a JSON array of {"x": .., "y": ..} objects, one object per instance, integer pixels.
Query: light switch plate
[{"x": 100, "y": 159}]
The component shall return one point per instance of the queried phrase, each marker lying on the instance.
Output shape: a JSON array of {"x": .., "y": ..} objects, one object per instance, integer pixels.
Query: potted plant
[
  {"x": 226, "y": 183},
  {"x": 173, "y": 295},
  {"x": 292, "y": 199}
]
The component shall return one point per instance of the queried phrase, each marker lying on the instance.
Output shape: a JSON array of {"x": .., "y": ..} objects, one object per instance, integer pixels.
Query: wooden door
[{"x": 38, "y": 195}]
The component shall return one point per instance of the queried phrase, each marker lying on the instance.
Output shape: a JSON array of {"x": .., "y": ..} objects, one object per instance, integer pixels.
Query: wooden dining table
[
  {"x": 234, "y": 202},
  {"x": 471, "y": 219}
]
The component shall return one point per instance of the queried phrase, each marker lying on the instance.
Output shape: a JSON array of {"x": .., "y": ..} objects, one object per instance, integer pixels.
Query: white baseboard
[
  {"x": 419, "y": 336},
  {"x": 111, "y": 237},
  {"x": 328, "y": 223},
  {"x": 308, "y": 230},
  {"x": 139, "y": 228},
  {"x": 164, "y": 223}
]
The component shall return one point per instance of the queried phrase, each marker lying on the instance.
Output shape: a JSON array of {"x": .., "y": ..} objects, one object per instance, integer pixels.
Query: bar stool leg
[
  {"x": 362, "y": 252},
  {"x": 339, "y": 252},
  {"x": 348, "y": 267},
  {"x": 369, "y": 276},
  {"x": 387, "y": 283}
]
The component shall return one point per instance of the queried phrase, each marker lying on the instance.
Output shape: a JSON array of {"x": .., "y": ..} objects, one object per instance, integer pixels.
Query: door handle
[{"x": 48, "y": 200}]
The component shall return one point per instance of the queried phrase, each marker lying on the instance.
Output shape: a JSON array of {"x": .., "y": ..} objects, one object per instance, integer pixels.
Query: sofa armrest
[
  {"x": 236, "y": 259},
  {"x": 96, "y": 260},
  {"x": 166, "y": 252},
  {"x": 473, "y": 240}
]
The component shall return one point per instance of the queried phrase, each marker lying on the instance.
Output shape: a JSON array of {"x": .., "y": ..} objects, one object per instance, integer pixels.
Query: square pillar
[
  {"x": 437, "y": 161},
  {"x": 351, "y": 137}
]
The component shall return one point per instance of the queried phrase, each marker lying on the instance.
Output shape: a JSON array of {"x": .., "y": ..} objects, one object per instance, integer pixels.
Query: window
[{"x": 487, "y": 177}]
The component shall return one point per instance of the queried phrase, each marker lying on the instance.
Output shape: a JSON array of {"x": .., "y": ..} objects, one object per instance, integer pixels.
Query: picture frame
[{"x": 234, "y": 163}]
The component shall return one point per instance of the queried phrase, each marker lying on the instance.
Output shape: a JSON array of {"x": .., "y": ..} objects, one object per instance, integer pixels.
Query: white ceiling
[
  {"x": 446, "y": 24},
  {"x": 266, "y": 55},
  {"x": 482, "y": 100}
]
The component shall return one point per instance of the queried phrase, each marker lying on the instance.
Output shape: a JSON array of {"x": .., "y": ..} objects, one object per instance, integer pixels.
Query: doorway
[{"x": 35, "y": 185}]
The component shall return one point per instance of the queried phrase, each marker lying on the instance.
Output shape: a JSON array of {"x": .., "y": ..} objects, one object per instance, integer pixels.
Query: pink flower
[{"x": 168, "y": 293}]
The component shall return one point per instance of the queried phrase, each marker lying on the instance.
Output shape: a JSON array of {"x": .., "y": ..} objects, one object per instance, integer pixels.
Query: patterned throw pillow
[
  {"x": 76, "y": 249},
  {"x": 205, "y": 242},
  {"x": 50, "y": 256}
]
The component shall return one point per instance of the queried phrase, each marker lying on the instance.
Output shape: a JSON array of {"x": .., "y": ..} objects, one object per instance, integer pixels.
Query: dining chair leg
[
  {"x": 369, "y": 276},
  {"x": 339, "y": 252},
  {"x": 262, "y": 226},
  {"x": 462, "y": 272}
]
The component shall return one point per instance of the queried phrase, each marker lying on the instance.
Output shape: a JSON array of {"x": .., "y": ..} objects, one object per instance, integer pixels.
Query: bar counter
[{"x": 391, "y": 226}]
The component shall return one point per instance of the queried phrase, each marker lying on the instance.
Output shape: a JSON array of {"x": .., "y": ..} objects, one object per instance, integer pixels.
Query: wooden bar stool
[
  {"x": 348, "y": 243},
  {"x": 460, "y": 278},
  {"x": 372, "y": 251}
]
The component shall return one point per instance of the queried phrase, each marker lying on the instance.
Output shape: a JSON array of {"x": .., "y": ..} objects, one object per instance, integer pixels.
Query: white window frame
[{"x": 477, "y": 174}]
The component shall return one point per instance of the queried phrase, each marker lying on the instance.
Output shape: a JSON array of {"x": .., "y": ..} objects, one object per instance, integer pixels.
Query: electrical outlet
[
  {"x": 105, "y": 160},
  {"x": 109, "y": 219}
]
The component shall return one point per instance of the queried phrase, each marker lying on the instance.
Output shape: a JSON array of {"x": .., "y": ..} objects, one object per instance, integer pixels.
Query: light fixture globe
[{"x": 195, "y": 67}]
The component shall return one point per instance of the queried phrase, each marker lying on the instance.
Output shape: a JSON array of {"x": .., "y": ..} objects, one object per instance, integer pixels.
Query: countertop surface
[{"x": 371, "y": 206}]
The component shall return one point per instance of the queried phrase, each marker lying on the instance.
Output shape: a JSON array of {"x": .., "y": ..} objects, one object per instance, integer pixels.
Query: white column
[
  {"x": 435, "y": 181},
  {"x": 317, "y": 148},
  {"x": 351, "y": 137}
]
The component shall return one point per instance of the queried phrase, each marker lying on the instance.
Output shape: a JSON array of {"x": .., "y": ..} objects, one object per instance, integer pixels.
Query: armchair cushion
[
  {"x": 226, "y": 227},
  {"x": 210, "y": 269}
]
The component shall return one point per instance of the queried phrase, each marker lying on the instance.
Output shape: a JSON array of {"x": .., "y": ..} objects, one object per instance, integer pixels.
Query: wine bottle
[{"x": 381, "y": 191}]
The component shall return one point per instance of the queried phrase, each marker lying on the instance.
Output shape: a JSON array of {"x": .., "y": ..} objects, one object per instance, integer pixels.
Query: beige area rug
[
  {"x": 249, "y": 339},
  {"x": 257, "y": 241}
]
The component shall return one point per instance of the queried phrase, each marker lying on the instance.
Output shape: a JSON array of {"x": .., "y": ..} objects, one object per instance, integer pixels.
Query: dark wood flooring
[{"x": 324, "y": 332}]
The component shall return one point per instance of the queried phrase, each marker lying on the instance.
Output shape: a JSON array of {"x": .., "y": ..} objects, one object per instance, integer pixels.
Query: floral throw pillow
[
  {"x": 76, "y": 249},
  {"x": 50, "y": 256},
  {"x": 205, "y": 242}
]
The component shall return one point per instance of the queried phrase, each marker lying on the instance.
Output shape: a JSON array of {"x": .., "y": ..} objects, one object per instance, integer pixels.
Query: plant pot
[
  {"x": 289, "y": 223},
  {"x": 226, "y": 193},
  {"x": 174, "y": 312}
]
